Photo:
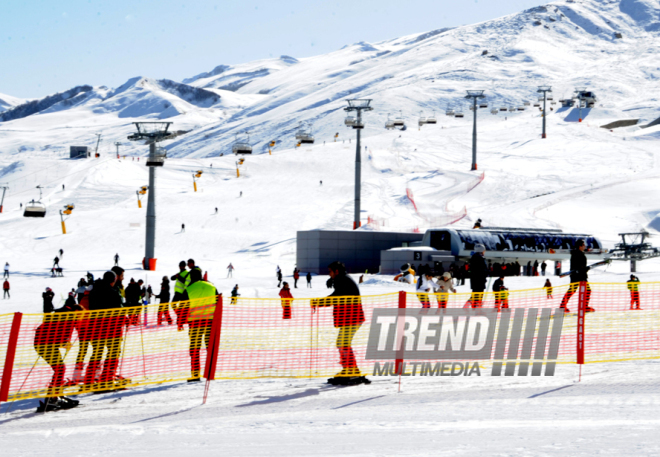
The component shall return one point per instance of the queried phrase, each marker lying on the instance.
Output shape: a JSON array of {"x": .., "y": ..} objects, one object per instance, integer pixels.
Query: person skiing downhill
[
  {"x": 279, "y": 277},
  {"x": 56, "y": 262}
]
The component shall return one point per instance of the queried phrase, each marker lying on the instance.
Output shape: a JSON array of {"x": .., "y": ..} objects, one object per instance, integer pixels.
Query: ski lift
[
  {"x": 389, "y": 124},
  {"x": 550, "y": 98},
  {"x": 158, "y": 159},
  {"x": 422, "y": 120},
  {"x": 483, "y": 105},
  {"x": 143, "y": 190},
  {"x": 350, "y": 121},
  {"x": 512, "y": 109},
  {"x": 526, "y": 103},
  {"x": 521, "y": 108},
  {"x": 503, "y": 108},
  {"x": 304, "y": 136},
  {"x": 494, "y": 111},
  {"x": 242, "y": 146},
  {"x": 35, "y": 209},
  {"x": 537, "y": 105},
  {"x": 431, "y": 120},
  {"x": 459, "y": 114},
  {"x": 398, "y": 122},
  {"x": 471, "y": 108},
  {"x": 449, "y": 112},
  {"x": 540, "y": 99},
  {"x": 553, "y": 103},
  {"x": 68, "y": 208}
]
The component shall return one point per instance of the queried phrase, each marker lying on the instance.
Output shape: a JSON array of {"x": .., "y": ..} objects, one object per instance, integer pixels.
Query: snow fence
[{"x": 54, "y": 354}]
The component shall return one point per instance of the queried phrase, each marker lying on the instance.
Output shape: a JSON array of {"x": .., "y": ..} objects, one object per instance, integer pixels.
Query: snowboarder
[
  {"x": 116, "y": 259},
  {"x": 164, "y": 297},
  {"x": 230, "y": 270},
  {"x": 234, "y": 295},
  {"x": 309, "y": 280},
  {"x": 287, "y": 300},
  {"x": 548, "y": 289},
  {"x": 6, "y": 274},
  {"x": 296, "y": 276},
  {"x": 348, "y": 316},
  {"x": 48, "y": 300},
  {"x": 633, "y": 287},
  {"x": 202, "y": 296},
  {"x": 478, "y": 275},
  {"x": 183, "y": 228},
  {"x": 56, "y": 262},
  {"x": 579, "y": 271},
  {"x": 5, "y": 289}
]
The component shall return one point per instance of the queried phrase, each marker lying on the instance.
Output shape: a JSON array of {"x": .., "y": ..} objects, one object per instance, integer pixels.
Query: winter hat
[
  {"x": 446, "y": 275},
  {"x": 48, "y": 289},
  {"x": 195, "y": 275},
  {"x": 479, "y": 248}
]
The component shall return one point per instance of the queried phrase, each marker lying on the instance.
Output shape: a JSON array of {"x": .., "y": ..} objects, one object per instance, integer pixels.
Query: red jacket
[
  {"x": 5, "y": 285},
  {"x": 285, "y": 293}
]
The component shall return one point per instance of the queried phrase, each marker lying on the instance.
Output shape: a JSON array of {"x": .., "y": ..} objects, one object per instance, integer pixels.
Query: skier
[
  {"x": 53, "y": 333},
  {"x": 164, "y": 297},
  {"x": 216, "y": 210},
  {"x": 478, "y": 275},
  {"x": 321, "y": 183},
  {"x": 234, "y": 295},
  {"x": 117, "y": 259},
  {"x": 445, "y": 284},
  {"x": 348, "y": 316},
  {"x": 230, "y": 270},
  {"x": 5, "y": 289},
  {"x": 202, "y": 296},
  {"x": 548, "y": 289},
  {"x": 579, "y": 271},
  {"x": 309, "y": 280},
  {"x": 56, "y": 262},
  {"x": 105, "y": 332},
  {"x": 183, "y": 228},
  {"x": 6, "y": 274},
  {"x": 633, "y": 287},
  {"x": 61, "y": 253},
  {"x": 48, "y": 300},
  {"x": 296, "y": 276},
  {"x": 62, "y": 186},
  {"x": 240, "y": 194},
  {"x": 279, "y": 277},
  {"x": 182, "y": 279},
  {"x": 287, "y": 300}
]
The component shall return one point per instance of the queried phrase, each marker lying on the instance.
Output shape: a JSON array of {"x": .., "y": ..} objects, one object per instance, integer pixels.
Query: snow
[{"x": 582, "y": 178}]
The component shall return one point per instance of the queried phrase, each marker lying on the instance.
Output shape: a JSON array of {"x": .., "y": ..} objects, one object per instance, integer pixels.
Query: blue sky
[{"x": 50, "y": 46}]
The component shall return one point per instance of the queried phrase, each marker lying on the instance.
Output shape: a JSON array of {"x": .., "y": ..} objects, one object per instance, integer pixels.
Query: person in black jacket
[
  {"x": 106, "y": 326},
  {"x": 497, "y": 287},
  {"x": 134, "y": 299},
  {"x": 347, "y": 315},
  {"x": 478, "y": 275},
  {"x": 579, "y": 271},
  {"x": 164, "y": 297},
  {"x": 48, "y": 300}
]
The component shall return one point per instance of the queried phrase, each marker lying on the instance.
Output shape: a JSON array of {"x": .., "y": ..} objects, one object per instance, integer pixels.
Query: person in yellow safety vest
[
  {"x": 202, "y": 297},
  {"x": 182, "y": 279}
]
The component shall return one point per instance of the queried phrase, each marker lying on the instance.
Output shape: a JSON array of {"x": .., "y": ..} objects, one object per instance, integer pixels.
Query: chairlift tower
[
  {"x": 358, "y": 105},
  {"x": 544, "y": 90},
  {"x": 2, "y": 200},
  {"x": 474, "y": 95},
  {"x": 117, "y": 143},
  {"x": 633, "y": 247},
  {"x": 151, "y": 133}
]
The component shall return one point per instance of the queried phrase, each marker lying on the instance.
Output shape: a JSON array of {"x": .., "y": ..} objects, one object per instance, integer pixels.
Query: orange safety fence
[{"x": 74, "y": 352}]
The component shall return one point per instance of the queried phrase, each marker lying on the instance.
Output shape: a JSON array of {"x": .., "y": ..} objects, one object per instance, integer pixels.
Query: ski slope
[{"x": 582, "y": 178}]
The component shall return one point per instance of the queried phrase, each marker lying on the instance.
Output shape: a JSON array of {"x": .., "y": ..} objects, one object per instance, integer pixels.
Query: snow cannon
[{"x": 407, "y": 274}]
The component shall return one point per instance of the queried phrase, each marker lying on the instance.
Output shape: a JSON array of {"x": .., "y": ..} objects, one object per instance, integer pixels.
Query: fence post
[
  {"x": 9, "y": 358},
  {"x": 214, "y": 346},
  {"x": 399, "y": 360},
  {"x": 582, "y": 304}
]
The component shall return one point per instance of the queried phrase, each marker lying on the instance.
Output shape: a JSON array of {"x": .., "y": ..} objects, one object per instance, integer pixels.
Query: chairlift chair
[
  {"x": 512, "y": 109},
  {"x": 389, "y": 124},
  {"x": 350, "y": 121},
  {"x": 242, "y": 147},
  {"x": 34, "y": 209},
  {"x": 526, "y": 103},
  {"x": 432, "y": 120},
  {"x": 537, "y": 105},
  {"x": 483, "y": 105},
  {"x": 450, "y": 112},
  {"x": 422, "y": 119},
  {"x": 521, "y": 108},
  {"x": 399, "y": 122},
  {"x": 503, "y": 108},
  {"x": 458, "y": 114},
  {"x": 494, "y": 111},
  {"x": 159, "y": 158}
]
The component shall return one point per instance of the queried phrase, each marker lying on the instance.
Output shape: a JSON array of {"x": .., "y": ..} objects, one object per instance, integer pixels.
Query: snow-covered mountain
[
  {"x": 565, "y": 44},
  {"x": 8, "y": 102}
]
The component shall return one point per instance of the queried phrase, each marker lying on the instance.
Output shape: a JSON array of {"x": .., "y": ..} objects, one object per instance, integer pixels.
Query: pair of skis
[{"x": 593, "y": 265}]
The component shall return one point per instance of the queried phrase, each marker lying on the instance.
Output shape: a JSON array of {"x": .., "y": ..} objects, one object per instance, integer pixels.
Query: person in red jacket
[
  {"x": 5, "y": 289},
  {"x": 287, "y": 299},
  {"x": 348, "y": 316},
  {"x": 54, "y": 333},
  {"x": 296, "y": 276}
]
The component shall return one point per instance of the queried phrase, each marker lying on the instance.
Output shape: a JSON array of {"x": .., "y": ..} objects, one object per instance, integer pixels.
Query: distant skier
[
  {"x": 5, "y": 289},
  {"x": 62, "y": 186},
  {"x": 6, "y": 274},
  {"x": 633, "y": 287},
  {"x": 216, "y": 211},
  {"x": 279, "y": 277},
  {"x": 116, "y": 259},
  {"x": 183, "y": 228},
  {"x": 309, "y": 280},
  {"x": 321, "y": 183},
  {"x": 56, "y": 262},
  {"x": 240, "y": 194},
  {"x": 230, "y": 270},
  {"x": 61, "y": 253},
  {"x": 48, "y": 300},
  {"x": 296, "y": 276}
]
